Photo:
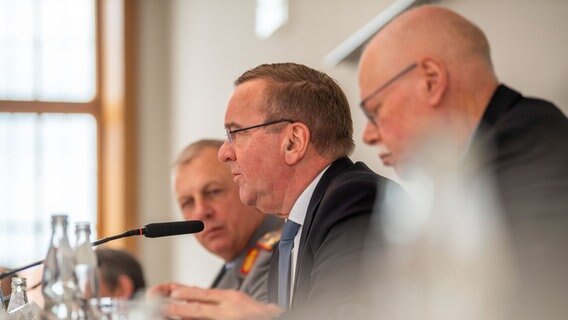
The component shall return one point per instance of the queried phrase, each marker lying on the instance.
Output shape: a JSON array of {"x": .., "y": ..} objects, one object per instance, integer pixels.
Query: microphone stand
[{"x": 130, "y": 233}]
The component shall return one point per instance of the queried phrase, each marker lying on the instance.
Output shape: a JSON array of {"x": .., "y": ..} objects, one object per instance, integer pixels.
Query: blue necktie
[{"x": 284, "y": 262}]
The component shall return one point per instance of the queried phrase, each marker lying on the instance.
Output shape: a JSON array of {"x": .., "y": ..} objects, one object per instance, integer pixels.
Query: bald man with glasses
[{"x": 437, "y": 90}]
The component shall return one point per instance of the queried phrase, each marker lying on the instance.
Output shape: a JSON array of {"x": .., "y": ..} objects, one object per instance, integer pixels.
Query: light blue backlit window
[{"x": 48, "y": 157}]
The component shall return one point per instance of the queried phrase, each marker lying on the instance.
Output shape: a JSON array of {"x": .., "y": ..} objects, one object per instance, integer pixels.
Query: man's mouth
[
  {"x": 386, "y": 158},
  {"x": 214, "y": 230}
]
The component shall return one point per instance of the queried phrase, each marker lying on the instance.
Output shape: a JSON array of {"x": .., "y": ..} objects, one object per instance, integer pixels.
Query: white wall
[
  {"x": 529, "y": 43},
  {"x": 155, "y": 136},
  {"x": 192, "y": 50}
]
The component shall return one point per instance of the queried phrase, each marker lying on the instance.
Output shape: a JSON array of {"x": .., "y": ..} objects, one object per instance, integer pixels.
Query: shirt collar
[
  {"x": 230, "y": 265},
  {"x": 300, "y": 208}
]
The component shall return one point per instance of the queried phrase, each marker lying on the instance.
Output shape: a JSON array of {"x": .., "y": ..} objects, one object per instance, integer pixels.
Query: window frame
[{"x": 113, "y": 108}]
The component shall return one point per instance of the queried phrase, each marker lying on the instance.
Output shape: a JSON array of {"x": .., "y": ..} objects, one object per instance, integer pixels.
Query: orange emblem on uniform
[{"x": 248, "y": 263}]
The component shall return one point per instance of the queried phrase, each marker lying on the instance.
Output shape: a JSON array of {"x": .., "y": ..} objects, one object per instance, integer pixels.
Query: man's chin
[
  {"x": 414, "y": 170},
  {"x": 246, "y": 198},
  {"x": 389, "y": 161},
  {"x": 261, "y": 201},
  {"x": 406, "y": 170},
  {"x": 403, "y": 172},
  {"x": 217, "y": 248}
]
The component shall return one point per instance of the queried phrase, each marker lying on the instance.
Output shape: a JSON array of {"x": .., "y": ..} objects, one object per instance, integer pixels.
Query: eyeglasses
[
  {"x": 231, "y": 133},
  {"x": 371, "y": 116}
]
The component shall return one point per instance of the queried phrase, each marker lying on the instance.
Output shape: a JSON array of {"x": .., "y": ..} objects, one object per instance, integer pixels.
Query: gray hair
[{"x": 194, "y": 149}]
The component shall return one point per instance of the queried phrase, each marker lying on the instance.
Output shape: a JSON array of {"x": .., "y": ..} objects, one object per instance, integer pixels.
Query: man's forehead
[
  {"x": 378, "y": 65},
  {"x": 250, "y": 90},
  {"x": 246, "y": 103},
  {"x": 206, "y": 166},
  {"x": 369, "y": 73}
]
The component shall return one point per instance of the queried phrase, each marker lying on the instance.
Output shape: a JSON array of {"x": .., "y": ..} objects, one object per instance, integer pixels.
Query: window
[
  {"x": 55, "y": 154},
  {"x": 48, "y": 164},
  {"x": 47, "y": 50}
]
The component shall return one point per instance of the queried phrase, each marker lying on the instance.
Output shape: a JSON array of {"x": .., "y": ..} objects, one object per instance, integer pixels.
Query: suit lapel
[
  {"x": 219, "y": 276},
  {"x": 336, "y": 167},
  {"x": 273, "y": 277}
]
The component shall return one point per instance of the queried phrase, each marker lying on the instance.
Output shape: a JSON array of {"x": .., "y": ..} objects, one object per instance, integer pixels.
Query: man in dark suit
[
  {"x": 289, "y": 132},
  {"x": 334, "y": 234},
  {"x": 439, "y": 83}
]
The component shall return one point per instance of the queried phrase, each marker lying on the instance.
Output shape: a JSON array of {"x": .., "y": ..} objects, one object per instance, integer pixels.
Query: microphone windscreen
[{"x": 164, "y": 229}]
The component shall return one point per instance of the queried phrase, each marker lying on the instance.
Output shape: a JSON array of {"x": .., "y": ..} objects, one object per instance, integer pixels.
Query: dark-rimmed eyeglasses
[
  {"x": 370, "y": 115},
  {"x": 231, "y": 133}
]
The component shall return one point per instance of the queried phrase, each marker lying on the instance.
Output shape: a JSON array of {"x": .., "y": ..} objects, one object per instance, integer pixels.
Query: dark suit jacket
[
  {"x": 254, "y": 283},
  {"x": 334, "y": 236},
  {"x": 526, "y": 146},
  {"x": 526, "y": 150}
]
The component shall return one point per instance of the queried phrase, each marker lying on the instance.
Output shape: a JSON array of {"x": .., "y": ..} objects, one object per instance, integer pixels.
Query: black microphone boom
[{"x": 152, "y": 230}]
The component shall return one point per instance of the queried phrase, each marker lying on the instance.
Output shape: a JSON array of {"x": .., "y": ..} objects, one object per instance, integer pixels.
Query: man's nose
[
  {"x": 226, "y": 152},
  {"x": 371, "y": 135},
  {"x": 202, "y": 209}
]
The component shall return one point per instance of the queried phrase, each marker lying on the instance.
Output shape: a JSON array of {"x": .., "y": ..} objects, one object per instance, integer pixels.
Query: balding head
[
  {"x": 449, "y": 87},
  {"x": 430, "y": 31},
  {"x": 439, "y": 31}
]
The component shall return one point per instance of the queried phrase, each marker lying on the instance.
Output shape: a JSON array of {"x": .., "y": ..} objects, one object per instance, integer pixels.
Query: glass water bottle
[
  {"x": 86, "y": 270},
  {"x": 19, "y": 296},
  {"x": 60, "y": 289},
  {"x": 18, "y": 308},
  {"x": 1, "y": 298}
]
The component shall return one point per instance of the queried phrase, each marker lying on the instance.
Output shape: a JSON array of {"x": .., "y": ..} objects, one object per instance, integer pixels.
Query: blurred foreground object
[
  {"x": 448, "y": 254},
  {"x": 19, "y": 296},
  {"x": 138, "y": 308},
  {"x": 5, "y": 290},
  {"x": 19, "y": 307}
]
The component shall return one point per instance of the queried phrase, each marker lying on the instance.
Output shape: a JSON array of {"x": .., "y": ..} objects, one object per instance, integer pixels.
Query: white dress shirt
[{"x": 298, "y": 215}]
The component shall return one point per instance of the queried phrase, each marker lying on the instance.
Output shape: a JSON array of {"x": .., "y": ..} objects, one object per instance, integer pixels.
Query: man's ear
[
  {"x": 435, "y": 75},
  {"x": 296, "y": 142},
  {"x": 125, "y": 287}
]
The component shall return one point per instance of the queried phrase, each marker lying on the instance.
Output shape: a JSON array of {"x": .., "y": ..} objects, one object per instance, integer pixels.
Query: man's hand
[
  {"x": 162, "y": 290},
  {"x": 218, "y": 304}
]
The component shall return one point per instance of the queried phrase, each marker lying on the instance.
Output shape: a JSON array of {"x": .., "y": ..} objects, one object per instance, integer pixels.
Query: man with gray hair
[{"x": 240, "y": 235}]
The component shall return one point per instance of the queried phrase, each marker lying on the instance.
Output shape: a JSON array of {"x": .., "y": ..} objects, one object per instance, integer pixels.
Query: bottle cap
[{"x": 18, "y": 282}]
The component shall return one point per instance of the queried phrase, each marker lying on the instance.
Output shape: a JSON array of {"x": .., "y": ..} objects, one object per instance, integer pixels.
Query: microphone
[
  {"x": 152, "y": 230},
  {"x": 165, "y": 229},
  {"x": 156, "y": 230}
]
